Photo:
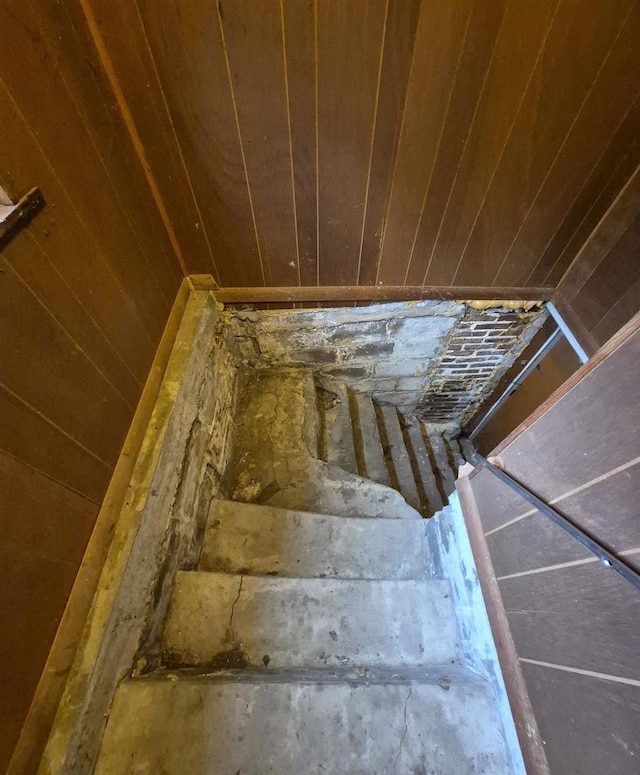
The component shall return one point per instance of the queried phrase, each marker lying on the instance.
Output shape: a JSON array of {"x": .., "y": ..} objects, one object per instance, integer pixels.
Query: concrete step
[
  {"x": 225, "y": 620},
  {"x": 275, "y": 452},
  {"x": 397, "y": 456},
  {"x": 442, "y": 456},
  {"x": 427, "y": 483},
  {"x": 335, "y": 424},
  {"x": 372, "y": 464},
  {"x": 262, "y": 540},
  {"x": 196, "y": 726}
]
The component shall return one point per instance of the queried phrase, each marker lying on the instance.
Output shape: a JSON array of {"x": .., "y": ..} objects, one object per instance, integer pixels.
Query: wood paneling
[
  {"x": 573, "y": 620},
  {"x": 397, "y": 143},
  {"x": 601, "y": 290},
  {"x": 85, "y": 291}
]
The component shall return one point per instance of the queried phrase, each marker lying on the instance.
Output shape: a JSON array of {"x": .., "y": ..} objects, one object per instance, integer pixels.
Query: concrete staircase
[
  {"x": 417, "y": 459},
  {"x": 317, "y": 633}
]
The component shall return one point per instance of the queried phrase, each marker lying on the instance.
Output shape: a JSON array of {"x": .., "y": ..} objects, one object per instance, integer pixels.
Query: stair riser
[
  {"x": 231, "y": 621},
  {"x": 259, "y": 540},
  {"x": 295, "y": 728}
]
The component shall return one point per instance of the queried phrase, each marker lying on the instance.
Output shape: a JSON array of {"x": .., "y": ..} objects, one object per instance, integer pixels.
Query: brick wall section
[
  {"x": 482, "y": 346},
  {"x": 436, "y": 359}
]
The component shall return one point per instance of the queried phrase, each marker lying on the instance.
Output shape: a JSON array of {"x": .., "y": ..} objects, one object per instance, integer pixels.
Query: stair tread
[
  {"x": 399, "y": 456},
  {"x": 441, "y": 458},
  {"x": 217, "y": 617},
  {"x": 373, "y": 463},
  {"x": 256, "y": 539},
  {"x": 199, "y": 727},
  {"x": 337, "y": 426},
  {"x": 425, "y": 469}
]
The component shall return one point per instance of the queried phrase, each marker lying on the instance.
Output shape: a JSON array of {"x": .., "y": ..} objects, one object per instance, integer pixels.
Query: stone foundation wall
[{"x": 435, "y": 359}]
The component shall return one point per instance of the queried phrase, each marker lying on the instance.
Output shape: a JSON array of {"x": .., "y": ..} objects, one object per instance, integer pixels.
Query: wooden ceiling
[
  {"x": 386, "y": 142},
  {"x": 454, "y": 143}
]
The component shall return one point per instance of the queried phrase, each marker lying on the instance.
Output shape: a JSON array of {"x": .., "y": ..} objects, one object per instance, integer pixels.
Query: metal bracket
[{"x": 16, "y": 216}]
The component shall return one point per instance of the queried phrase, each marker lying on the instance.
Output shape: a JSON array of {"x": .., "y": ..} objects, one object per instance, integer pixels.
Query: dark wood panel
[
  {"x": 615, "y": 274},
  {"x": 589, "y": 725},
  {"x": 624, "y": 308},
  {"x": 497, "y": 503},
  {"x": 67, "y": 142},
  {"x": 345, "y": 128},
  {"x": 441, "y": 35},
  {"x": 547, "y": 113},
  {"x": 397, "y": 56},
  {"x": 70, "y": 48},
  {"x": 608, "y": 178},
  {"x": 608, "y": 511},
  {"x": 44, "y": 367},
  {"x": 35, "y": 268},
  {"x": 468, "y": 90},
  {"x": 521, "y": 39},
  {"x": 193, "y": 71},
  {"x": 299, "y": 40},
  {"x": 117, "y": 23},
  {"x": 41, "y": 517},
  {"x": 59, "y": 228},
  {"x": 580, "y": 439},
  {"x": 533, "y": 542},
  {"x": 585, "y": 616},
  {"x": 28, "y": 437},
  {"x": 602, "y": 113},
  {"x": 34, "y": 592},
  {"x": 255, "y": 50}
]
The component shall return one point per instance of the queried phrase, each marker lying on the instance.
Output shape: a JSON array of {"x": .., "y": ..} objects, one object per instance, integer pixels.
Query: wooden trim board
[
  {"x": 35, "y": 731},
  {"x": 376, "y": 293},
  {"x": 531, "y": 744}
]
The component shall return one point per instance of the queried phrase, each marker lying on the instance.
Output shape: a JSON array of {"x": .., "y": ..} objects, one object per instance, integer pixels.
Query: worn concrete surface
[
  {"x": 262, "y": 540},
  {"x": 221, "y": 619},
  {"x": 276, "y": 443},
  {"x": 192, "y": 726}
]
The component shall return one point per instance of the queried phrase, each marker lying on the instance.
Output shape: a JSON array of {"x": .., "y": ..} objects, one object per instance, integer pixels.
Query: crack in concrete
[
  {"x": 404, "y": 732},
  {"x": 233, "y": 608}
]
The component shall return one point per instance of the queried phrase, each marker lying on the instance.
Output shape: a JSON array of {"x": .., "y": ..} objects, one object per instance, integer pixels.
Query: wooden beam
[
  {"x": 378, "y": 293},
  {"x": 529, "y": 737}
]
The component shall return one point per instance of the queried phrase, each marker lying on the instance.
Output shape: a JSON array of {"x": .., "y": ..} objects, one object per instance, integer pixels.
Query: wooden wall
[
  {"x": 575, "y": 622},
  {"x": 344, "y": 142},
  {"x": 267, "y": 143},
  {"x": 84, "y": 295},
  {"x": 601, "y": 290}
]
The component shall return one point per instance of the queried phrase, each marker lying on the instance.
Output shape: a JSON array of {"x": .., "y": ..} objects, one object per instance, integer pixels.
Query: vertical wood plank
[
  {"x": 468, "y": 92},
  {"x": 520, "y": 42},
  {"x": 548, "y": 111},
  {"x": 119, "y": 25},
  {"x": 255, "y": 50},
  {"x": 402, "y": 22},
  {"x": 299, "y": 42},
  {"x": 442, "y": 28},
  {"x": 193, "y": 72},
  {"x": 604, "y": 109},
  {"x": 349, "y": 50}
]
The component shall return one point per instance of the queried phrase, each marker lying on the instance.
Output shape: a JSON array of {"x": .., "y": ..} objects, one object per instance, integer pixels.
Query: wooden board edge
[
  {"x": 377, "y": 293},
  {"x": 531, "y": 744},
  {"x": 42, "y": 711},
  {"x": 607, "y": 349},
  {"x": 202, "y": 282},
  {"x": 585, "y": 338}
]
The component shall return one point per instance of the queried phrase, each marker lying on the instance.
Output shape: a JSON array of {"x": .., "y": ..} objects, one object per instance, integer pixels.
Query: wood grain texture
[
  {"x": 572, "y": 619},
  {"x": 602, "y": 286},
  {"x": 345, "y": 127},
  {"x": 340, "y": 293}
]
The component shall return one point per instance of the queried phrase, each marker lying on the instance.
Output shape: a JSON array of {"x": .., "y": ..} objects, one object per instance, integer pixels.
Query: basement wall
[{"x": 438, "y": 360}]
